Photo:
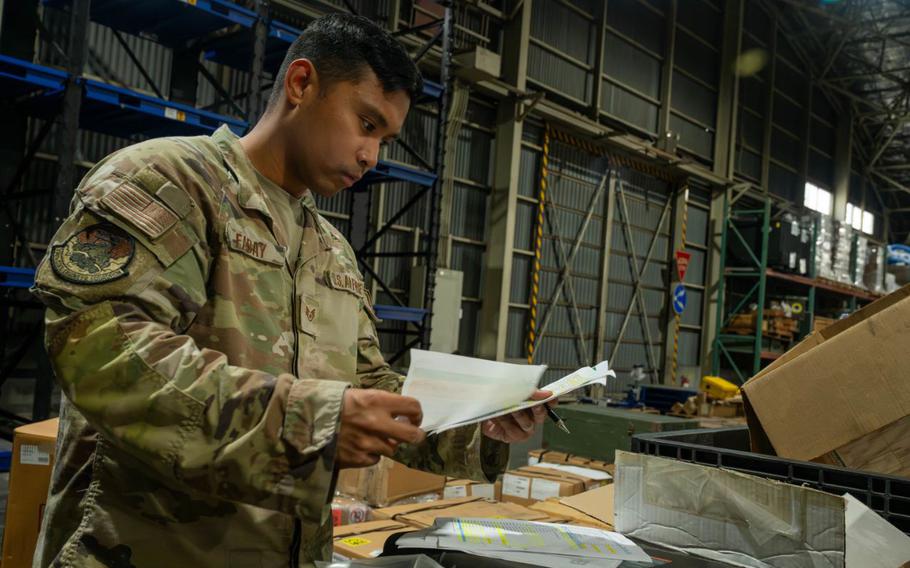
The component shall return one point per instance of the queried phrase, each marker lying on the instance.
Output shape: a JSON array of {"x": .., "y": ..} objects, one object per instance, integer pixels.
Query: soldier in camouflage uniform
[{"x": 213, "y": 338}]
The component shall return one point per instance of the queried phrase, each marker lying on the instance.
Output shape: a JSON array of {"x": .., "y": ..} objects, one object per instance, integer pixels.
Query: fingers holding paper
[
  {"x": 373, "y": 423},
  {"x": 518, "y": 426}
]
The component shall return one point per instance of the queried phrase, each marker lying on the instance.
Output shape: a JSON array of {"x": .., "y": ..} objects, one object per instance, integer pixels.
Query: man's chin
[{"x": 327, "y": 192}]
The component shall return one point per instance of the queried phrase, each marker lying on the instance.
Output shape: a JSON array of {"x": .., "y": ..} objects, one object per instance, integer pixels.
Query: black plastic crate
[{"x": 887, "y": 495}]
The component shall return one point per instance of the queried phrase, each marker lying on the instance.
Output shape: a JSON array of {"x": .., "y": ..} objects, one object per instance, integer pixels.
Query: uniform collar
[{"x": 250, "y": 195}]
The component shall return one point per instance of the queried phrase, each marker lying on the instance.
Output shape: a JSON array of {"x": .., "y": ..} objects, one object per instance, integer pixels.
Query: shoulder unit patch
[{"x": 95, "y": 255}]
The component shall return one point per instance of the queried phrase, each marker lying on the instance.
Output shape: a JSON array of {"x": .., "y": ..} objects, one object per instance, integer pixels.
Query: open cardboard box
[
  {"x": 749, "y": 521},
  {"x": 842, "y": 395},
  {"x": 388, "y": 481}
]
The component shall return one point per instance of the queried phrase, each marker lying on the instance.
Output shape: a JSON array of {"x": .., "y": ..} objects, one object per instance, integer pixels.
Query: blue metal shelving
[
  {"x": 168, "y": 22},
  {"x": 393, "y": 171},
  {"x": 400, "y": 313},
  {"x": 15, "y": 277},
  {"x": 108, "y": 108},
  {"x": 124, "y": 112}
]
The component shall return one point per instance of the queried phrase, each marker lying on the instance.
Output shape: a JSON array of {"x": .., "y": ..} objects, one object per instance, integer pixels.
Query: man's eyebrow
[{"x": 376, "y": 115}]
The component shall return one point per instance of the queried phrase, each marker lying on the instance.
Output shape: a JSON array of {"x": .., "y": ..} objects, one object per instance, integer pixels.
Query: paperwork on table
[
  {"x": 540, "y": 544},
  {"x": 456, "y": 391}
]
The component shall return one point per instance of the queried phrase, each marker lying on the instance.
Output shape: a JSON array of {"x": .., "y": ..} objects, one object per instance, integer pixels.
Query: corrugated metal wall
[
  {"x": 797, "y": 111},
  {"x": 696, "y": 72},
  {"x": 645, "y": 200},
  {"x": 573, "y": 180}
]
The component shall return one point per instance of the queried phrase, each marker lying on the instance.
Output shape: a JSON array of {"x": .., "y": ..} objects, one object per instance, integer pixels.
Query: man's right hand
[{"x": 369, "y": 428}]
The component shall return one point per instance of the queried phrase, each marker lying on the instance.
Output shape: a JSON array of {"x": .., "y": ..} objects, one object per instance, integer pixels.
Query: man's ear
[{"x": 300, "y": 80}]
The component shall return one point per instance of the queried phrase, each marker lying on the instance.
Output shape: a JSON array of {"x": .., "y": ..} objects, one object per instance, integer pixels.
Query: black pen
[{"x": 557, "y": 419}]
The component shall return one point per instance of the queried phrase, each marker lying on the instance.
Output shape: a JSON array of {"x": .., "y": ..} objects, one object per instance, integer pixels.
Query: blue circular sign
[{"x": 679, "y": 298}]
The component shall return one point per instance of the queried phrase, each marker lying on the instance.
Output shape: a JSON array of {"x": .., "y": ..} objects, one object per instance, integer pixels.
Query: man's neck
[{"x": 264, "y": 146}]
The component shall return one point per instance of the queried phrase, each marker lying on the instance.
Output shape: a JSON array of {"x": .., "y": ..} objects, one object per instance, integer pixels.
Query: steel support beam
[
  {"x": 680, "y": 202},
  {"x": 769, "y": 110},
  {"x": 843, "y": 156},
  {"x": 607, "y": 241},
  {"x": 494, "y": 312},
  {"x": 666, "y": 81},
  {"x": 728, "y": 91},
  {"x": 72, "y": 105}
]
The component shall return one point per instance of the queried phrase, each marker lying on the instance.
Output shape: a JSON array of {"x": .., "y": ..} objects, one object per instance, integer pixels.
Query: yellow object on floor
[{"x": 718, "y": 388}]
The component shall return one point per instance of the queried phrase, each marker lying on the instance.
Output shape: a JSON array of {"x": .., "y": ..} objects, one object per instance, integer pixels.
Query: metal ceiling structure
[{"x": 859, "y": 51}]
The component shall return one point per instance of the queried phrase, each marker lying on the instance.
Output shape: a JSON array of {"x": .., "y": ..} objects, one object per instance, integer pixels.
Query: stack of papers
[
  {"x": 528, "y": 542},
  {"x": 456, "y": 391}
]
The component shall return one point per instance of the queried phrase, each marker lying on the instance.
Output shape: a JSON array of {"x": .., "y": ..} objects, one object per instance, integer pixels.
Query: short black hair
[{"x": 341, "y": 46}]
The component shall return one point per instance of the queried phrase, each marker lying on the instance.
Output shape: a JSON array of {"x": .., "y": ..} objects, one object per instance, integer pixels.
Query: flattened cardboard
[
  {"x": 557, "y": 512},
  {"x": 728, "y": 516},
  {"x": 597, "y": 503},
  {"x": 840, "y": 392},
  {"x": 479, "y": 509},
  {"x": 366, "y": 540},
  {"x": 396, "y": 511}
]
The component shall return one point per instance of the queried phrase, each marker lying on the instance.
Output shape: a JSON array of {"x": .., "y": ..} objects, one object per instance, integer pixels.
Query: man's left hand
[{"x": 518, "y": 426}]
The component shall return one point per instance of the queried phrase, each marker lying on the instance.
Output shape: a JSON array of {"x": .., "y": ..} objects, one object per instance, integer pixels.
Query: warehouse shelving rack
[
  {"x": 730, "y": 349},
  {"x": 80, "y": 102}
]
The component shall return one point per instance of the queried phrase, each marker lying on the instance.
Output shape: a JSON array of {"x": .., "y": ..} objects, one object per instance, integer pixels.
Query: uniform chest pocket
[{"x": 330, "y": 309}]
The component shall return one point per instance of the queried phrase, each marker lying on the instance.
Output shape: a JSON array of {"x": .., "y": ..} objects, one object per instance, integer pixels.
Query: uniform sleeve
[
  {"x": 462, "y": 452},
  {"x": 119, "y": 303}
]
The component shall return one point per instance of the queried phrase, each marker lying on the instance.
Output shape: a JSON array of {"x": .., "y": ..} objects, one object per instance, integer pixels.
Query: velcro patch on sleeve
[{"x": 140, "y": 210}]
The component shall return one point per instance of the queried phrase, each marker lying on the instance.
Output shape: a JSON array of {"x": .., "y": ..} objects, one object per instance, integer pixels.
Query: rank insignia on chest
[
  {"x": 95, "y": 255},
  {"x": 310, "y": 313}
]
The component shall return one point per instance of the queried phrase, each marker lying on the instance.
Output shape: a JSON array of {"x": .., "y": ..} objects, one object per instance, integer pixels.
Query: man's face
[{"x": 337, "y": 130}]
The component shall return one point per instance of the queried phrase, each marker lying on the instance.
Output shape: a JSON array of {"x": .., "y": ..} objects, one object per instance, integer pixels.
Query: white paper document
[
  {"x": 456, "y": 391},
  {"x": 542, "y": 544}
]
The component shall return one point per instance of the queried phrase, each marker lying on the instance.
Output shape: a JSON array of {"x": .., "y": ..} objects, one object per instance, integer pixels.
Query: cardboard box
[
  {"x": 750, "y": 521},
  {"x": 466, "y": 488},
  {"x": 525, "y": 487},
  {"x": 551, "y": 456},
  {"x": 842, "y": 395},
  {"x": 366, "y": 540},
  {"x": 29, "y": 480},
  {"x": 396, "y": 511},
  {"x": 479, "y": 509},
  {"x": 591, "y": 478},
  {"x": 386, "y": 482}
]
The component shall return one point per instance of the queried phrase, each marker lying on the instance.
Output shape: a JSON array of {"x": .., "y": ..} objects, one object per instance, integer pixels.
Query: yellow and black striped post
[
  {"x": 685, "y": 220},
  {"x": 538, "y": 242}
]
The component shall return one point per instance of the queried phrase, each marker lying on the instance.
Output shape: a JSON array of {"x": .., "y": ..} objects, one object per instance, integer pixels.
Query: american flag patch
[{"x": 140, "y": 210}]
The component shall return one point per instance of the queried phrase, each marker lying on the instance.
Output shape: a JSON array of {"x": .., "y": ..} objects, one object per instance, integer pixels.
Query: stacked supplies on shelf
[
  {"x": 874, "y": 274},
  {"x": 862, "y": 260},
  {"x": 840, "y": 261},
  {"x": 824, "y": 247}
]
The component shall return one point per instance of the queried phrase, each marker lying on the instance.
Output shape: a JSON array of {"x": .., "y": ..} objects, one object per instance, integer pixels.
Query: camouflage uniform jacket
[{"x": 203, "y": 381}]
